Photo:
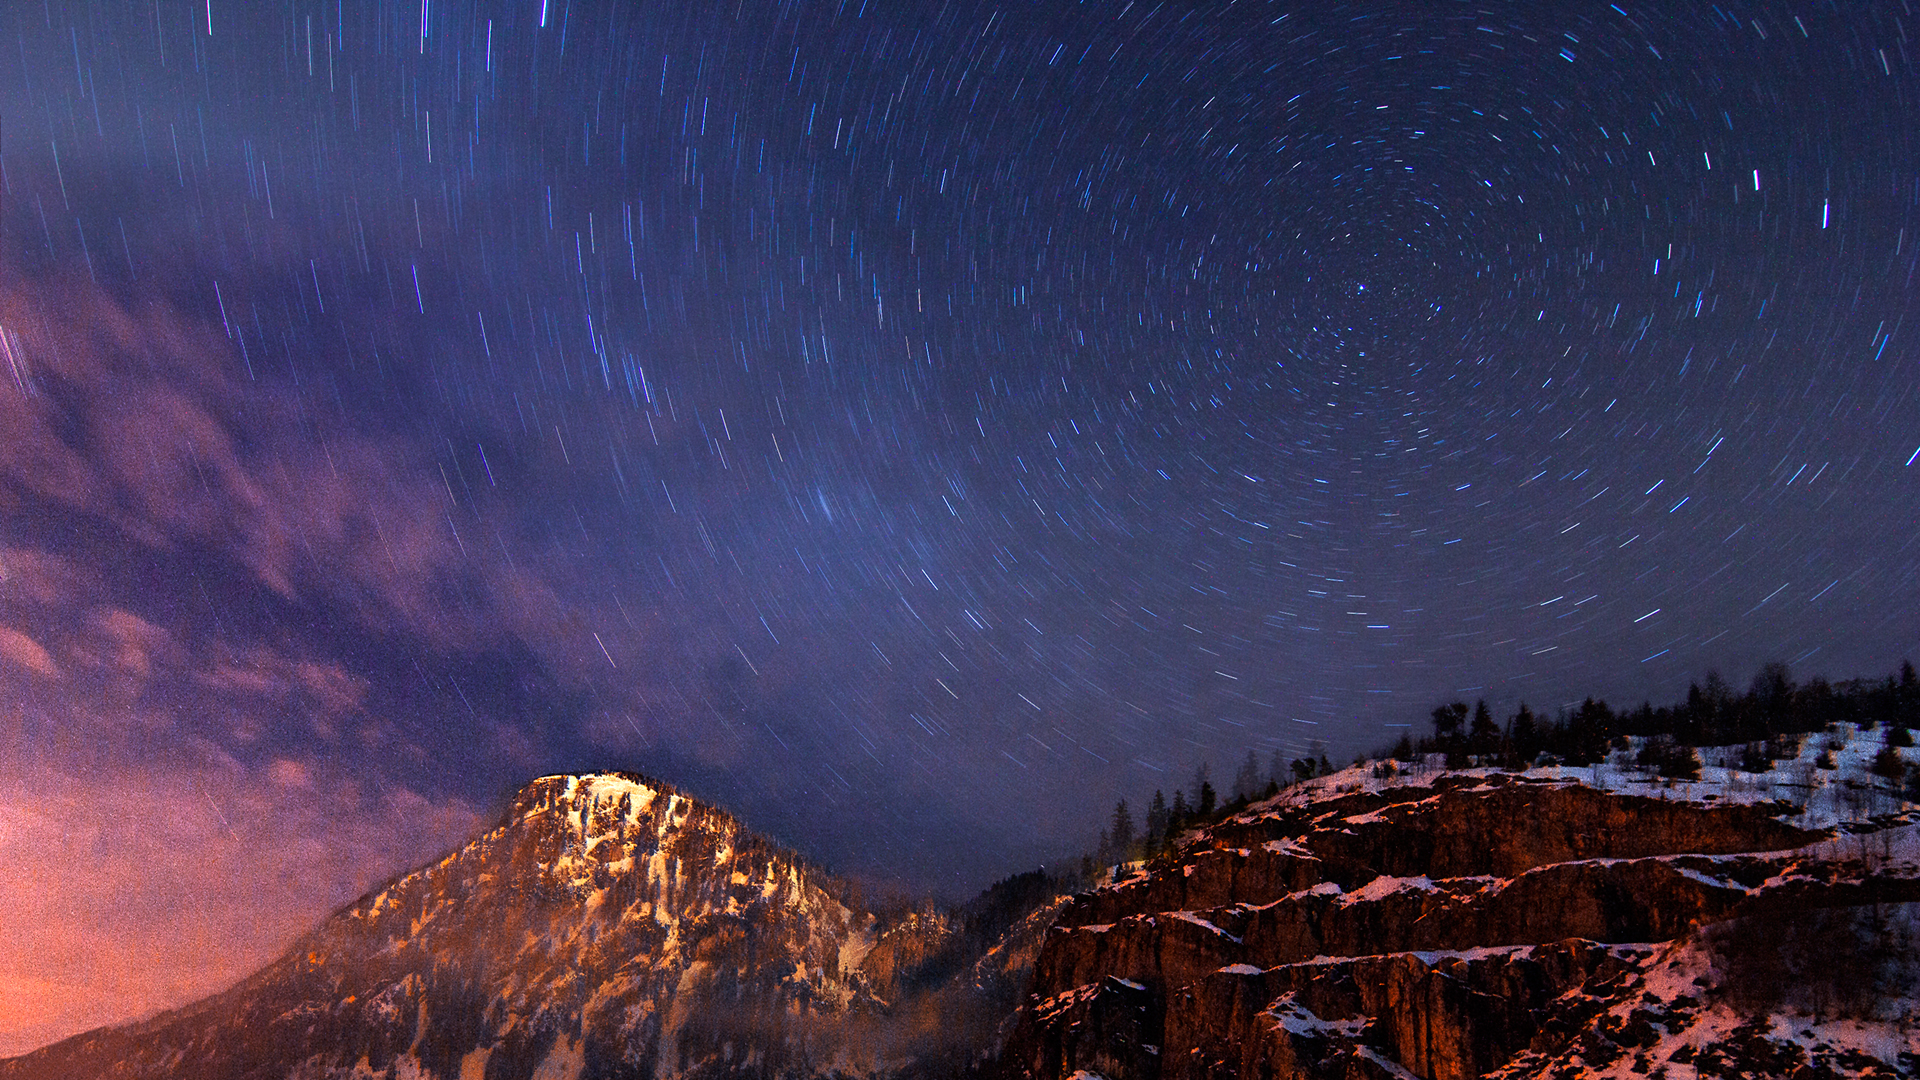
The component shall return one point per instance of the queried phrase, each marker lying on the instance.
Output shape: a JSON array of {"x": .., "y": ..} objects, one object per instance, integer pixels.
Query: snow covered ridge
[
  {"x": 606, "y": 926},
  {"x": 1389, "y": 920},
  {"x": 1826, "y": 780}
]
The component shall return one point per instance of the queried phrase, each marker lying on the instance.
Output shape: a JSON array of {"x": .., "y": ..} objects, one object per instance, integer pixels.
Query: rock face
[
  {"x": 608, "y": 926},
  {"x": 1463, "y": 925},
  {"x": 1447, "y": 930}
]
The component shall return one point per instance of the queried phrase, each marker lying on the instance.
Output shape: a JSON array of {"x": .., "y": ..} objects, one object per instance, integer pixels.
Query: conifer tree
[
  {"x": 1524, "y": 735},
  {"x": 1246, "y": 782},
  {"x": 1484, "y": 735},
  {"x": 1156, "y": 838},
  {"x": 1447, "y": 720},
  {"x": 1121, "y": 832},
  {"x": 1203, "y": 791}
]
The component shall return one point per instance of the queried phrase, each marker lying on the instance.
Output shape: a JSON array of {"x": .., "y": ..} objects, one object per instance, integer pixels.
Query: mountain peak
[{"x": 607, "y": 924}]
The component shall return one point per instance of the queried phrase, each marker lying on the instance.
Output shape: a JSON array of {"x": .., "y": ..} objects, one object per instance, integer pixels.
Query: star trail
[{"x": 915, "y": 425}]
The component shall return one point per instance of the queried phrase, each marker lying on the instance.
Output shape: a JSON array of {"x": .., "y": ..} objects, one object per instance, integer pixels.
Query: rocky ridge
[
  {"x": 1466, "y": 924},
  {"x": 1376, "y": 923}
]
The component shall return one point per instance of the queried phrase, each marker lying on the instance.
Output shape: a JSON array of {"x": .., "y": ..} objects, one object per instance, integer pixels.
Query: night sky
[{"x": 912, "y": 426}]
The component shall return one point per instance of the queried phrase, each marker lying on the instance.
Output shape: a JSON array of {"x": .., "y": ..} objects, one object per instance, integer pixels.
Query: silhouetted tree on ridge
[{"x": 1769, "y": 722}]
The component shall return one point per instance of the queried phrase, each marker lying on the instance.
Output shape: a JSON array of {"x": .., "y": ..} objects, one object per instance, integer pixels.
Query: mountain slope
[
  {"x": 1456, "y": 925},
  {"x": 608, "y": 926}
]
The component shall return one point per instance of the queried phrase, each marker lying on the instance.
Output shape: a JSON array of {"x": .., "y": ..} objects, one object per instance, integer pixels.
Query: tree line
[
  {"x": 1127, "y": 837},
  {"x": 1766, "y": 722}
]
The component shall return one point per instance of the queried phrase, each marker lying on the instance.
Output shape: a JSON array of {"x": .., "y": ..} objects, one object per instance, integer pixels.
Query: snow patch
[
  {"x": 1383, "y": 886},
  {"x": 1188, "y": 916},
  {"x": 1300, "y": 1020}
]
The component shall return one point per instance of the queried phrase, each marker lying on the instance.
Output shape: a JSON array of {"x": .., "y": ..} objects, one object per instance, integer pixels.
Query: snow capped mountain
[{"x": 608, "y": 926}]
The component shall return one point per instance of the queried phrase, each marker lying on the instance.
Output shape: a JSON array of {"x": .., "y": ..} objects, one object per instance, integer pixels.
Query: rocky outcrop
[{"x": 1445, "y": 930}]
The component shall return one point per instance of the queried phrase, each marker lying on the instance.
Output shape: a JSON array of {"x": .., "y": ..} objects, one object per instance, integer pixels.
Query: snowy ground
[{"x": 1819, "y": 798}]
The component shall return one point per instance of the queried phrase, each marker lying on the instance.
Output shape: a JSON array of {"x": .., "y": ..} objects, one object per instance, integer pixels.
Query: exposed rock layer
[{"x": 1447, "y": 931}]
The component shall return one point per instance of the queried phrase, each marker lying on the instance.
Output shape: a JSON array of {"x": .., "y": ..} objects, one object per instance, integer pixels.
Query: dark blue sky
[{"x": 915, "y": 426}]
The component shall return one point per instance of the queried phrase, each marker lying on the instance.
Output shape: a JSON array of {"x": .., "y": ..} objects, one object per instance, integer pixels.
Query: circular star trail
[{"x": 914, "y": 425}]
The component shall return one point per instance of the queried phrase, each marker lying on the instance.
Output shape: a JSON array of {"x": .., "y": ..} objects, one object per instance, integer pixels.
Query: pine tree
[
  {"x": 1682, "y": 764},
  {"x": 1716, "y": 701},
  {"x": 1484, "y": 735},
  {"x": 1524, "y": 735},
  {"x": 1177, "y": 816},
  {"x": 1121, "y": 833},
  {"x": 1246, "y": 782},
  {"x": 1202, "y": 779},
  {"x": 1447, "y": 720},
  {"x": 1692, "y": 719},
  {"x": 1772, "y": 698},
  {"x": 1156, "y": 838},
  {"x": 1207, "y": 800},
  {"x": 1588, "y": 733},
  {"x": 1907, "y": 699}
]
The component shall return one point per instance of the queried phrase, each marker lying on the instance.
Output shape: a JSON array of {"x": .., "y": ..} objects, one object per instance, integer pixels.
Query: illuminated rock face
[
  {"x": 1474, "y": 924},
  {"x": 608, "y": 926},
  {"x": 1458, "y": 925}
]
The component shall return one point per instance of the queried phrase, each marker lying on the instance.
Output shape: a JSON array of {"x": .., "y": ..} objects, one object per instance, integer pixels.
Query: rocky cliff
[
  {"x": 1371, "y": 924},
  {"x": 608, "y": 926},
  {"x": 1470, "y": 924}
]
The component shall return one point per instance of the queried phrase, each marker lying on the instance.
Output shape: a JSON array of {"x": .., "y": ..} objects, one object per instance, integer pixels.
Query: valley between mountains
[{"x": 1385, "y": 921}]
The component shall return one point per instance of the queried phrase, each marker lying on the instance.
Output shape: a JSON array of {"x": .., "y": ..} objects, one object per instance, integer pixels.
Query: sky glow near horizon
[{"x": 910, "y": 426}]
